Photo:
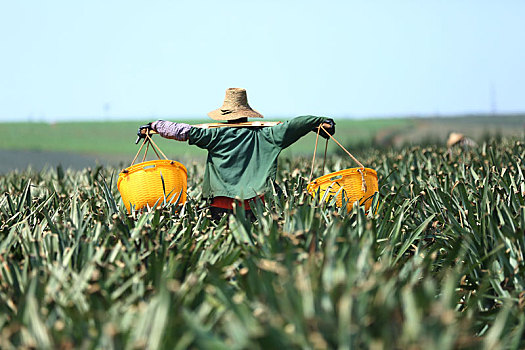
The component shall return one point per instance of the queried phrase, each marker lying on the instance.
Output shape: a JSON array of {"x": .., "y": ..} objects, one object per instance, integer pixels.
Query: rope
[
  {"x": 154, "y": 150},
  {"x": 136, "y": 155},
  {"x": 147, "y": 141},
  {"x": 145, "y": 152},
  {"x": 363, "y": 182},
  {"x": 361, "y": 171},
  {"x": 155, "y": 145},
  {"x": 325, "y": 149},
  {"x": 313, "y": 159},
  {"x": 344, "y": 149}
]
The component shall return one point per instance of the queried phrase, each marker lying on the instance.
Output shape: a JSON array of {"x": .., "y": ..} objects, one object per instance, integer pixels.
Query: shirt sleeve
[
  {"x": 170, "y": 130},
  {"x": 203, "y": 138},
  {"x": 287, "y": 133}
]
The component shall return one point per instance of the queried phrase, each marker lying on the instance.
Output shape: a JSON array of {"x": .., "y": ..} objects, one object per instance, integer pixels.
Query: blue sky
[{"x": 71, "y": 60}]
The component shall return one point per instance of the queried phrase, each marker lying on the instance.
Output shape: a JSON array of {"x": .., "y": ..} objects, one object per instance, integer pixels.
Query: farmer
[{"x": 242, "y": 160}]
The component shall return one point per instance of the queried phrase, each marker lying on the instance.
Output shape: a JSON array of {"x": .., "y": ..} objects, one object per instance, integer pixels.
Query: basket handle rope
[
  {"x": 361, "y": 171},
  {"x": 315, "y": 151},
  {"x": 155, "y": 147},
  {"x": 145, "y": 153},
  {"x": 148, "y": 140},
  {"x": 313, "y": 159}
]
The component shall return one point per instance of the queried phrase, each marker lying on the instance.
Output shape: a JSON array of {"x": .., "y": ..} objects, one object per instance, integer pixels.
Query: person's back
[{"x": 242, "y": 161}]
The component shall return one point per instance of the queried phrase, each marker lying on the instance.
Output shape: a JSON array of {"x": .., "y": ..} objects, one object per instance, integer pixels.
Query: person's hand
[
  {"x": 143, "y": 130},
  {"x": 329, "y": 126}
]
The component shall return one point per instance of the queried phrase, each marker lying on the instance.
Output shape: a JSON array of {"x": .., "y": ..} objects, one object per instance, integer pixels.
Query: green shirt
[{"x": 243, "y": 161}]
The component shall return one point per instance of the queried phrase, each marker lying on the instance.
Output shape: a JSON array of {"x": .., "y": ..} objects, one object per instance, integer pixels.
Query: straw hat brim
[
  {"x": 454, "y": 138},
  {"x": 226, "y": 114}
]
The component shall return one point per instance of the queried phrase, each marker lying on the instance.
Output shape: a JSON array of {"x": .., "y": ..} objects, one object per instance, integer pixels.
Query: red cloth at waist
[{"x": 227, "y": 202}]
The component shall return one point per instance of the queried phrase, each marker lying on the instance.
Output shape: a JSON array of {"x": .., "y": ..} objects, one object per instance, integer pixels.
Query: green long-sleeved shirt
[{"x": 242, "y": 161}]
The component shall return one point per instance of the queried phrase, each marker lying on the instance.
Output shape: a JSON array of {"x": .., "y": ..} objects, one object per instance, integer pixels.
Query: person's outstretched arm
[
  {"x": 171, "y": 130},
  {"x": 287, "y": 133},
  {"x": 203, "y": 138}
]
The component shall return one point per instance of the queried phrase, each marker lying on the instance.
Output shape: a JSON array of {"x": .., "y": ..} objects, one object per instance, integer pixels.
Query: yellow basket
[
  {"x": 142, "y": 184},
  {"x": 354, "y": 185},
  {"x": 149, "y": 183}
]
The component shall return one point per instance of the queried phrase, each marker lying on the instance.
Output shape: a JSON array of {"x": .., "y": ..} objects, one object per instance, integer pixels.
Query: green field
[
  {"x": 82, "y": 144},
  {"x": 113, "y": 143},
  {"x": 117, "y": 138},
  {"x": 440, "y": 265}
]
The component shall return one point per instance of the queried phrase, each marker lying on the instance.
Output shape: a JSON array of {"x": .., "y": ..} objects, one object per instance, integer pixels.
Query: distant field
[
  {"x": 117, "y": 138},
  {"x": 115, "y": 141},
  {"x": 479, "y": 128},
  {"x": 77, "y": 143}
]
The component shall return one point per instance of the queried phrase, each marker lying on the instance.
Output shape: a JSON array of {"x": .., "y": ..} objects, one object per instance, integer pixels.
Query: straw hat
[
  {"x": 235, "y": 106},
  {"x": 454, "y": 138}
]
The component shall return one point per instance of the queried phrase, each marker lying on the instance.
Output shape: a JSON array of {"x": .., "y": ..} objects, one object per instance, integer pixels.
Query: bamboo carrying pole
[{"x": 228, "y": 125}]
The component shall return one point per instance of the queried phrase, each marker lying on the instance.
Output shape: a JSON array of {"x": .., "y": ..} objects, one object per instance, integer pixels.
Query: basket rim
[
  {"x": 349, "y": 171},
  {"x": 139, "y": 166}
]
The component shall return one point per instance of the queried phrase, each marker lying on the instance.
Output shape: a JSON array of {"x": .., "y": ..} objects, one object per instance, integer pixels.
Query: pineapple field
[{"x": 439, "y": 264}]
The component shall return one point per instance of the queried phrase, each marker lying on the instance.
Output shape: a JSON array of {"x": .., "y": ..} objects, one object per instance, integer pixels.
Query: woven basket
[
  {"x": 148, "y": 183},
  {"x": 153, "y": 182},
  {"x": 354, "y": 185}
]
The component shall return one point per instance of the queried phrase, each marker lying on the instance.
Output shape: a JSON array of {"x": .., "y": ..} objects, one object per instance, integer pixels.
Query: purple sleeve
[{"x": 170, "y": 130}]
